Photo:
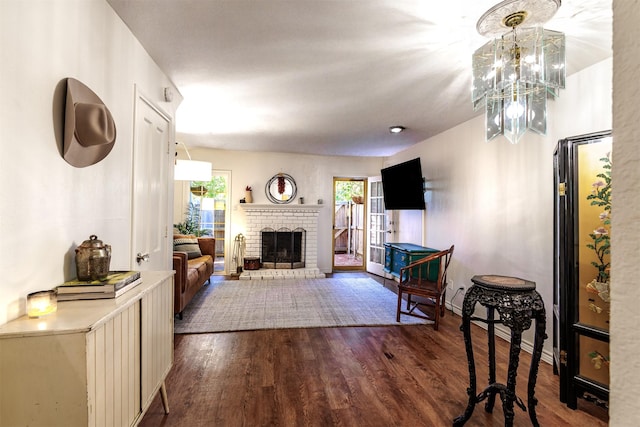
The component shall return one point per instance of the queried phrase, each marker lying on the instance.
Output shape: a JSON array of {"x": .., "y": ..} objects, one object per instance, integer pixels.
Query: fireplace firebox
[{"x": 283, "y": 248}]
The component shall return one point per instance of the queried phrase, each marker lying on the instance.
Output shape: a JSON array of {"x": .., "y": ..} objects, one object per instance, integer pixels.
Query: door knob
[{"x": 142, "y": 257}]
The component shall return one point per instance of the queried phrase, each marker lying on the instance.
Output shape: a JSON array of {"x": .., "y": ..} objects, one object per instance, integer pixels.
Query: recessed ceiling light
[{"x": 396, "y": 129}]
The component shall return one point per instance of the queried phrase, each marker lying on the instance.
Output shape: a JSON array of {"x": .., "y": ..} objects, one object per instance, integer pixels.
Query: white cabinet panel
[
  {"x": 113, "y": 399},
  {"x": 93, "y": 363},
  {"x": 157, "y": 339}
]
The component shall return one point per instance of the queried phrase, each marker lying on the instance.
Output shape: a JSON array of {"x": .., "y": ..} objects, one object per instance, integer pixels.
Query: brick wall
[{"x": 282, "y": 216}]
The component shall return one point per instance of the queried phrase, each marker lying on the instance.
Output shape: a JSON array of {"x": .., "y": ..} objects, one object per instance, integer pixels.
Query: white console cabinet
[{"x": 92, "y": 363}]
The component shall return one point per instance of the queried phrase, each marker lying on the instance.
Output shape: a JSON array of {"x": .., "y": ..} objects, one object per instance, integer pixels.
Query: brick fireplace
[{"x": 275, "y": 217}]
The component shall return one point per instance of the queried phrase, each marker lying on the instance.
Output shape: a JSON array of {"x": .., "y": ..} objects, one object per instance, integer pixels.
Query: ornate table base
[{"x": 517, "y": 303}]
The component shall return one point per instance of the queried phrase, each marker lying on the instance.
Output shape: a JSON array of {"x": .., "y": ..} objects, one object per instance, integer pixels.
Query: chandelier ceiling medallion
[{"x": 522, "y": 66}]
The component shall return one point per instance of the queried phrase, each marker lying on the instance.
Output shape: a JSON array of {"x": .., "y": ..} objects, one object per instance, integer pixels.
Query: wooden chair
[{"x": 426, "y": 279}]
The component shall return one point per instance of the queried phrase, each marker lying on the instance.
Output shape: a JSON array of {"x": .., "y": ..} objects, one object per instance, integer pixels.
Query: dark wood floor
[{"x": 353, "y": 376}]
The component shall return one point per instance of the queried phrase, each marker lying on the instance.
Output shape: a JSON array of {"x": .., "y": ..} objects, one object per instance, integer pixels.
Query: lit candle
[{"x": 41, "y": 303}]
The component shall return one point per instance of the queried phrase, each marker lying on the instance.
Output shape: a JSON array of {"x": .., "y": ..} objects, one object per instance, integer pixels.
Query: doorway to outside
[
  {"x": 349, "y": 210},
  {"x": 207, "y": 207}
]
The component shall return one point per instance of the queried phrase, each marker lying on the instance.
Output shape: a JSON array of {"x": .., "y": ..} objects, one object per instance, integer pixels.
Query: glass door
[
  {"x": 212, "y": 199},
  {"x": 348, "y": 223},
  {"x": 376, "y": 227}
]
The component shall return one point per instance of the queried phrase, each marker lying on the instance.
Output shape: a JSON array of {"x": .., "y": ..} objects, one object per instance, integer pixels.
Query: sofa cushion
[
  {"x": 202, "y": 269},
  {"x": 193, "y": 278},
  {"x": 188, "y": 244}
]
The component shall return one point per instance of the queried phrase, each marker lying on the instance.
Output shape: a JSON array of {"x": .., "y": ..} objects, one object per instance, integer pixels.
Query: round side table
[{"x": 518, "y": 303}]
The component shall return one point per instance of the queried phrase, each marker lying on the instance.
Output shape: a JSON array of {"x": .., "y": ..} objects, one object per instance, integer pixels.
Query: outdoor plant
[
  {"x": 215, "y": 188},
  {"x": 346, "y": 190}
]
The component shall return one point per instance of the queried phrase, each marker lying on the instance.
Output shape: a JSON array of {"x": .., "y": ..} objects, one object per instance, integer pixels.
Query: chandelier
[{"x": 515, "y": 73}]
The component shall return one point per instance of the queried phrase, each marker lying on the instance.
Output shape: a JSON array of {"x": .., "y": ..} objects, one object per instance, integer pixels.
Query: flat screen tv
[{"x": 403, "y": 186}]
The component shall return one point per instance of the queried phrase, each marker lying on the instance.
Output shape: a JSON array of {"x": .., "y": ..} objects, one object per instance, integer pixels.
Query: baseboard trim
[{"x": 505, "y": 334}]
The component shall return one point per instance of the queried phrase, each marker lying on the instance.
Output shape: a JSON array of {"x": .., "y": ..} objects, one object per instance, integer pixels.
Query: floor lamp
[{"x": 192, "y": 170}]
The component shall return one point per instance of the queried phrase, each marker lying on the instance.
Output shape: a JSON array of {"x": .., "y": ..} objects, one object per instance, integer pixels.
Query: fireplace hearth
[{"x": 283, "y": 248}]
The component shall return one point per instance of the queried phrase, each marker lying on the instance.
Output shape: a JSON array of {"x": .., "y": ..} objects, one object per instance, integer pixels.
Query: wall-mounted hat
[{"x": 89, "y": 129}]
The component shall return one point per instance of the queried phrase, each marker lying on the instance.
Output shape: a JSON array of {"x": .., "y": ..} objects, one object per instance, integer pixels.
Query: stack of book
[{"x": 116, "y": 284}]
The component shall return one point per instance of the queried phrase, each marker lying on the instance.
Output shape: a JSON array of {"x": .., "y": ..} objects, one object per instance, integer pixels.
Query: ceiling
[{"x": 330, "y": 76}]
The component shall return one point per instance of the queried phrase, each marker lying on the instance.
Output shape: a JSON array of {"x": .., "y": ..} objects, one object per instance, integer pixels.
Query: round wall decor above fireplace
[{"x": 281, "y": 188}]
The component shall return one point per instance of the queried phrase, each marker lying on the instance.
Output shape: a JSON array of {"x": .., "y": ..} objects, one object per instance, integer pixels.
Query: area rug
[{"x": 240, "y": 305}]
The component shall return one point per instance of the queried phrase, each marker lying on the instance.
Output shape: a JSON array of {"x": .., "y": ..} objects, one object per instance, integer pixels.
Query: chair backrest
[
  {"x": 417, "y": 269},
  {"x": 446, "y": 259}
]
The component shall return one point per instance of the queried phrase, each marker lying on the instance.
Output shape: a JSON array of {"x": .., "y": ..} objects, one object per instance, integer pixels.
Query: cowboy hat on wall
[{"x": 89, "y": 129}]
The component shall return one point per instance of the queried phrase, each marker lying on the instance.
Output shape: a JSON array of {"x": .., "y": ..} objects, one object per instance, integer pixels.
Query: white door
[
  {"x": 151, "y": 148},
  {"x": 376, "y": 227}
]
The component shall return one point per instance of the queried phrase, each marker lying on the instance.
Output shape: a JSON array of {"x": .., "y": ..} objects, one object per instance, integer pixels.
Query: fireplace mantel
[{"x": 248, "y": 207}]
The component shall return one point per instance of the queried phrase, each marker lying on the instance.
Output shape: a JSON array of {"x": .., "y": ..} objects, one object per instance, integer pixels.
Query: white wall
[
  {"x": 313, "y": 175},
  {"x": 625, "y": 219},
  {"x": 494, "y": 201},
  {"x": 47, "y": 206}
]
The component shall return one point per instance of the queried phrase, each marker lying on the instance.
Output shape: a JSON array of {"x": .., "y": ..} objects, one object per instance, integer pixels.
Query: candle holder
[{"x": 42, "y": 303}]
